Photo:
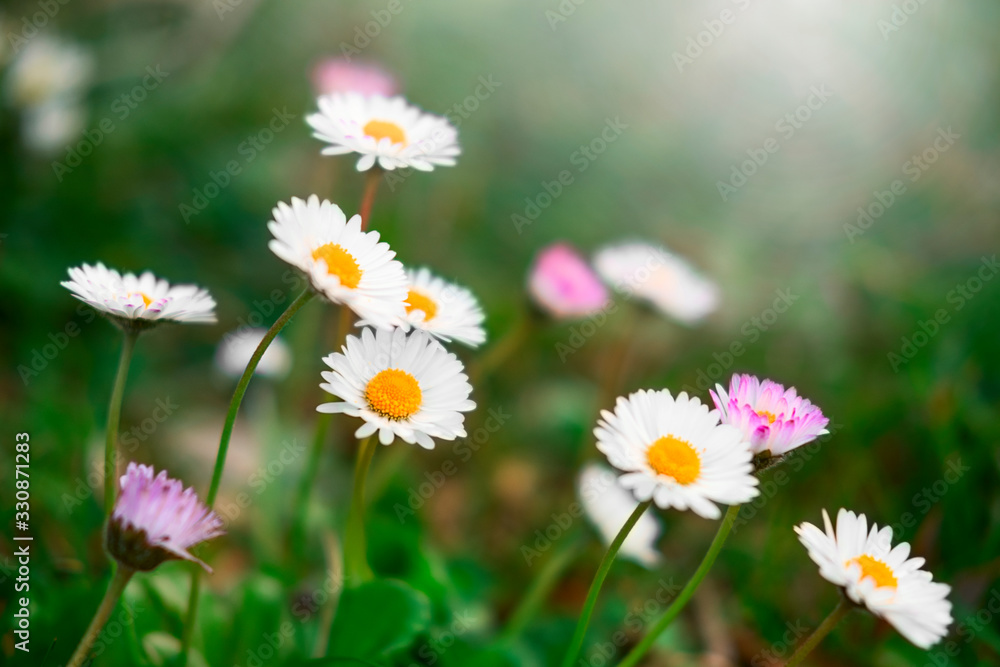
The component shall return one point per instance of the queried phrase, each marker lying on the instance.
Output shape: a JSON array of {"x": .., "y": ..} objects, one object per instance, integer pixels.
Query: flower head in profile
[
  {"x": 881, "y": 578},
  {"x": 773, "y": 419},
  {"x": 444, "y": 310},
  {"x": 562, "y": 283},
  {"x": 654, "y": 275},
  {"x": 405, "y": 386},
  {"x": 674, "y": 451},
  {"x": 386, "y": 130},
  {"x": 234, "y": 352},
  {"x": 339, "y": 75},
  {"x": 343, "y": 263},
  {"x": 608, "y": 506},
  {"x": 156, "y": 519},
  {"x": 139, "y": 301}
]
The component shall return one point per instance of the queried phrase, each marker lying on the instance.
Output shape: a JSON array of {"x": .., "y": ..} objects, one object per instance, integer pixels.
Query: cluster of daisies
[
  {"x": 399, "y": 379},
  {"x": 677, "y": 453}
]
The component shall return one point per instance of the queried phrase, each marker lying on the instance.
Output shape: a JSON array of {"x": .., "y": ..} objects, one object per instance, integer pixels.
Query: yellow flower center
[
  {"x": 145, "y": 298},
  {"x": 339, "y": 263},
  {"x": 675, "y": 458},
  {"x": 877, "y": 570},
  {"x": 769, "y": 416},
  {"x": 422, "y": 302},
  {"x": 394, "y": 394},
  {"x": 381, "y": 129}
]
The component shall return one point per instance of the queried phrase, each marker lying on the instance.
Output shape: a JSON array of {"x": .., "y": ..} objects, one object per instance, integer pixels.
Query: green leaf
[{"x": 376, "y": 619}]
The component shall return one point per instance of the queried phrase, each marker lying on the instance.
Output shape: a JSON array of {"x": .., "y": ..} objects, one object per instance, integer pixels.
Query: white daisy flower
[
  {"x": 608, "y": 506},
  {"x": 878, "y": 576},
  {"x": 444, "y": 310},
  {"x": 343, "y": 263},
  {"x": 48, "y": 69},
  {"x": 406, "y": 386},
  {"x": 675, "y": 452},
  {"x": 234, "y": 352},
  {"x": 144, "y": 300},
  {"x": 386, "y": 129},
  {"x": 651, "y": 273}
]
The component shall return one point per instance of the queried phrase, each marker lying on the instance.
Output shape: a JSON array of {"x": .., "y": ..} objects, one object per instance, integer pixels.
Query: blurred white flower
[
  {"x": 234, "y": 352},
  {"x": 651, "y": 273},
  {"x": 47, "y": 81},
  {"x": 608, "y": 506},
  {"x": 49, "y": 127}
]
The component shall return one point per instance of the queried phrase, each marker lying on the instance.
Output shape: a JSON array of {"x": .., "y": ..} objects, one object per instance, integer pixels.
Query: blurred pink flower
[
  {"x": 336, "y": 75},
  {"x": 157, "y": 519},
  {"x": 564, "y": 285}
]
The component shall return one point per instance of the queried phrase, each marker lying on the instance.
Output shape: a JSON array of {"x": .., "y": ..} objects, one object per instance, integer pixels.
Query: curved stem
[
  {"x": 684, "y": 596},
  {"x": 220, "y": 457},
  {"x": 595, "y": 587},
  {"x": 241, "y": 390},
  {"x": 115, "y": 589},
  {"x": 828, "y": 624},
  {"x": 368, "y": 198},
  {"x": 114, "y": 419},
  {"x": 540, "y": 588},
  {"x": 355, "y": 544}
]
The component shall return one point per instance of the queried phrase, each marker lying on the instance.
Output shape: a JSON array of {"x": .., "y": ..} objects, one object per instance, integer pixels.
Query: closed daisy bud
[
  {"x": 157, "y": 519},
  {"x": 674, "y": 451},
  {"x": 666, "y": 281},
  {"x": 384, "y": 129},
  {"x": 138, "y": 302},
  {"x": 608, "y": 506},
  {"x": 562, "y": 283},
  {"x": 774, "y": 420},
  {"x": 879, "y": 577},
  {"x": 343, "y": 263},
  {"x": 406, "y": 386}
]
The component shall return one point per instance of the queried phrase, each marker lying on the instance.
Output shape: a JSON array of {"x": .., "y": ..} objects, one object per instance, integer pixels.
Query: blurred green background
[{"x": 700, "y": 92}]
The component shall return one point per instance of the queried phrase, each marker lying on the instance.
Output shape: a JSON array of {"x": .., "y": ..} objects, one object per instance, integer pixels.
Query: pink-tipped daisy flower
[
  {"x": 774, "y": 420},
  {"x": 157, "y": 519}
]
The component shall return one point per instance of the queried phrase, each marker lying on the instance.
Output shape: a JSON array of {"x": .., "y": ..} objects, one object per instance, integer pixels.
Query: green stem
[
  {"x": 368, "y": 198},
  {"x": 685, "y": 595},
  {"x": 241, "y": 390},
  {"x": 355, "y": 545},
  {"x": 595, "y": 587},
  {"x": 115, "y": 589},
  {"x": 540, "y": 588},
  {"x": 114, "y": 419},
  {"x": 828, "y": 624},
  {"x": 220, "y": 457},
  {"x": 323, "y": 421}
]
